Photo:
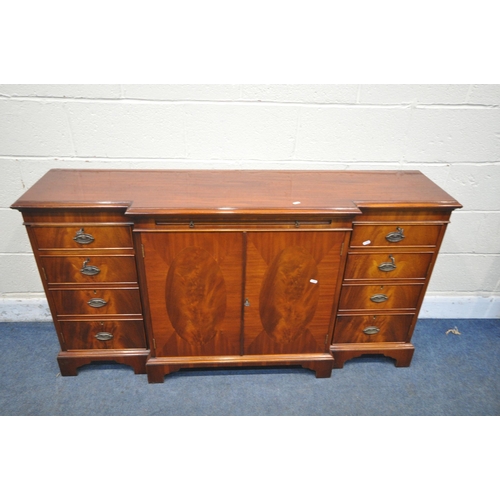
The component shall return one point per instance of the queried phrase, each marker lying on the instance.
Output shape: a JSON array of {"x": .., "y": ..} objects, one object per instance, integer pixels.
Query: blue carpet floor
[{"x": 450, "y": 375}]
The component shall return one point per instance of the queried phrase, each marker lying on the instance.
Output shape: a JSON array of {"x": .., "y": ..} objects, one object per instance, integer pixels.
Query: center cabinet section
[{"x": 241, "y": 297}]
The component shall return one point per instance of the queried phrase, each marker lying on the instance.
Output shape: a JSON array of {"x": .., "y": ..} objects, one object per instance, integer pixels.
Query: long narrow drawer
[
  {"x": 90, "y": 269},
  {"x": 97, "y": 301},
  {"x": 372, "y": 328},
  {"x": 373, "y": 235},
  {"x": 84, "y": 236},
  {"x": 379, "y": 296},
  {"x": 387, "y": 265},
  {"x": 127, "y": 334}
]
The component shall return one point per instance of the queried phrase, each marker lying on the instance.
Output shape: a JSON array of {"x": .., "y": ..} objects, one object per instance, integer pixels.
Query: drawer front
[
  {"x": 379, "y": 297},
  {"x": 370, "y": 328},
  {"x": 385, "y": 266},
  {"x": 90, "y": 269},
  {"x": 84, "y": 237},
  {"x": 394, "y": 235},
  {"x": 97, "y": 301},
  {"x": 103, "y": 334}
]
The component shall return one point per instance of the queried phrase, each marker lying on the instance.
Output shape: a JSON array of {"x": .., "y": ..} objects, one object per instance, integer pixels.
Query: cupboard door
[
  {"x": 290, "y": 287},
  {"x": 194, "y": 283}
]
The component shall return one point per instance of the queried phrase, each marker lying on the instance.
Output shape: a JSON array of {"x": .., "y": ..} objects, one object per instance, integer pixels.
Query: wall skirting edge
[
  {"x": 460, "y": 307},
  {"x": 434, "y": 306},
  {"x": 24, "y": 309}
]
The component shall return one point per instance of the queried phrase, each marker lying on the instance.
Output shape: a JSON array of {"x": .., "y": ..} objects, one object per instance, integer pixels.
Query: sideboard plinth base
[
  {"x": 402, "y": 353},
  {"x": 70, "y": 361},
  {"x": 157, "y": 368}
]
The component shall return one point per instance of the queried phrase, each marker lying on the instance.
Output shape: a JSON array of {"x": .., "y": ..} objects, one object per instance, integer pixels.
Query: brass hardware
[
  {"x": 191, "y": 224},
  {"x": 379, "y": 297},
  {"x": 342, "y": 249},
  {"x": 297, "y": 223},
  {"x": 83, "y": 237},
  {"x": 246, "y": 303},
  {"x": 44, "y": 273},
  {"x": 388, "y": 266},
  {"x": 371, "y": 330},
  {"x": 89, "y": 270},
  {"x": 395, "y": 236},
  {"x": 96, "y": 303},
  {"x": 143, "y": 254},
  {"x": 103, "y": 336}
]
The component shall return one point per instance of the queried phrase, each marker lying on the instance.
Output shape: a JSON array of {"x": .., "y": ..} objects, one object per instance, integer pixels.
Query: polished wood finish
[
  {"x": 391, "y": 328},
  {"x": 366, "y": 266},
  {"x": 214, "y": 192},
  {"x": 406, "y": 264},
  {"x": 375, "y": 235},
  {"x": 234, "y": 268},
  {"x": 80, "y": 301},
  {"x": 124, "y": 334},
  {"x": 290, "y": 287},
  {"x": 64, "y": 237},
  {"x": 69, "y": 269},
  {"x": 401, "y": 352},
  {"x": 194, "y": 283},
  {"x": 70, "y": 361},
  {"x": 381, "y": 296},
  {"x": 61, "y": 259}
]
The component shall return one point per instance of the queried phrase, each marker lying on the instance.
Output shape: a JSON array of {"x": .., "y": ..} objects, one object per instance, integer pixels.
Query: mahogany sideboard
[{"x": 170, "y": 269}]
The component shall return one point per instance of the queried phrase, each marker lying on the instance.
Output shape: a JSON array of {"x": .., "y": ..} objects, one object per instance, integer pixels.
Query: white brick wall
[{"x": 449, "y": 132}]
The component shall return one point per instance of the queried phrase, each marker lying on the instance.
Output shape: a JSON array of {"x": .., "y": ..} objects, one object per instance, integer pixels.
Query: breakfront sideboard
[{"x": 170, "y": 269}]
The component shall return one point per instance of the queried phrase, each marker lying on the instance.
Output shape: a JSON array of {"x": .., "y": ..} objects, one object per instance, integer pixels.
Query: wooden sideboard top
[{"x": 234, "y": 191}]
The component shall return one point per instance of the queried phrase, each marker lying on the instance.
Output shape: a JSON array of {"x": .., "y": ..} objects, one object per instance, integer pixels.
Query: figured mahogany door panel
[
  {"x": 83, "y": 237},
  {"x": 387, "y": 265},
  {"x": 379, "y": 296},
  {"x": 98, "y": 301},
  {"x": 127, "y": 334},
  {"x": 90, "y": 269},
  {"x": 372, "y": 328},
  {"x": 194, "y": 285},
  {"x": 394, "y": 235},
  {"x": 290, "y": 286}
]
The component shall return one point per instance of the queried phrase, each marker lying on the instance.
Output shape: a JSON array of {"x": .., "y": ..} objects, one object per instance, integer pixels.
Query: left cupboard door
[{"x": 194, "y": 285}]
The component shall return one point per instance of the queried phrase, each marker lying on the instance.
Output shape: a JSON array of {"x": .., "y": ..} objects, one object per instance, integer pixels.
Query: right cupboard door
[{"x": 290, "y": 288}]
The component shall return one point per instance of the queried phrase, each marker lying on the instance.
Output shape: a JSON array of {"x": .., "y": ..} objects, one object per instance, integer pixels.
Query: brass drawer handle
[
  {"x": 388, "y": 266},
  {"x": 89, "y": 270},
  {"x": 96, "y": 303},
  {"x": 83, "y": 237},
  {"x": 379, "y": 297},
  {"x": 103, "y": 336},
  {"x": 395, "y": 236},
  {"x": 371, "y": 330}
]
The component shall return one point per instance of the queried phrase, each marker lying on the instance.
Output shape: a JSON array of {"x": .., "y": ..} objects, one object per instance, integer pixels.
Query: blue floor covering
[{"x": 450, "y": 375}]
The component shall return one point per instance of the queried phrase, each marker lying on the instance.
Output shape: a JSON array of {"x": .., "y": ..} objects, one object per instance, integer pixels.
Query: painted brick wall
[{"x": 449, "y": 132}]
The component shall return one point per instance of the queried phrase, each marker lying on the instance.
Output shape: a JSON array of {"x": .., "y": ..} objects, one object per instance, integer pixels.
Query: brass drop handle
[
  {"x": 395, "y": 236},
  {"x": 96, "y": 303},
  {"x": 388, "y": 266},
  {"x": 89, "y": 270},
  {"x": 103, "y": 336},
  {"x": 379, "y": 297},
  {"x": 82, "y": 237},
  {"x": 371, "y": 330}
]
